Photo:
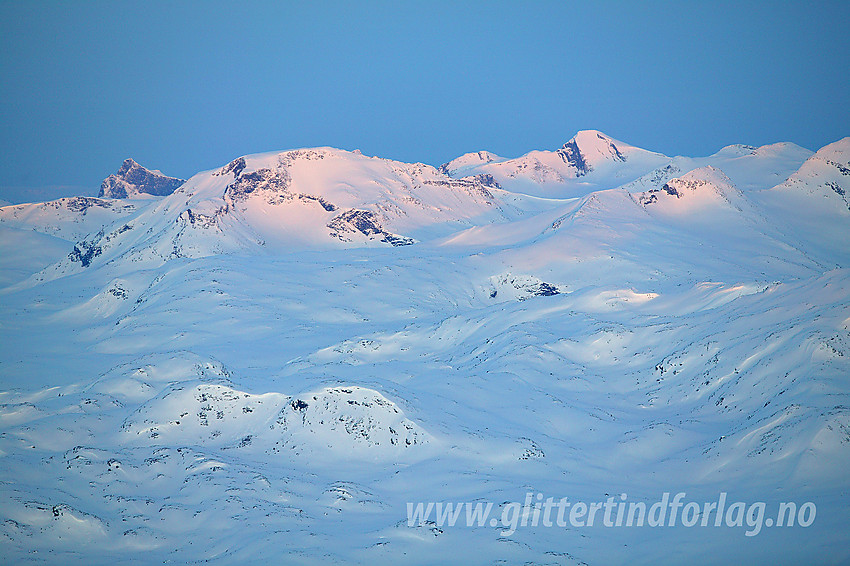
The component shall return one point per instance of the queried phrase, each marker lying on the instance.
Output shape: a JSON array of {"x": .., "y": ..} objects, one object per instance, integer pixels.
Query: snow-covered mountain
[
  {"x": 303, "y": 342},
  {"x": 134, "y": 181},
  {"x": 588, "y": 161},
  {"x": 70, "y": 218},
  {"x": 812, "y": 206},
  {"x": 122, "y": 195},
  {"x": 593, "y": 161},
  {"x": 697, "y": 190},
  {"x": 750, "y": 168},
  {"x": 822, "y": 180},
  {"x": 304, "y": 199}
]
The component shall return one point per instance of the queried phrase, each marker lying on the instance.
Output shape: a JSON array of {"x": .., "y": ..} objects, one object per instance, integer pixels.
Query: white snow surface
[
  {"x": 271, "y": 362},
  {"x": 592, "y": 161}
]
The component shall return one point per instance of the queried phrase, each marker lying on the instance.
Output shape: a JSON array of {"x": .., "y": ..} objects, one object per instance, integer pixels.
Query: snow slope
[
  {"x": 68, "y": 218},
  {"x": 592, "y": 161},
  {"x": 812, "y": 206},
  {"x": 702, "y": 190},
  {"x": 750, "y": 168},
  {"x": 589, "y": 161},
  {"x": 822, "y": 179},
  {"x": 255, "y": 368},
  {"x": 306, "y": 199}
]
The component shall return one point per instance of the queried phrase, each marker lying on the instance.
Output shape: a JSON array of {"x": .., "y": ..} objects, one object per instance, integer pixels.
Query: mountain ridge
[{"x": 257, "y": 349}]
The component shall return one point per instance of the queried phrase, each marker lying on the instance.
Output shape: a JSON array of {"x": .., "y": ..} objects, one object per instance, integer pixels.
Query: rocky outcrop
[
  {"x": 133, "y": 180},
  {"x": 364, "y": 222}
]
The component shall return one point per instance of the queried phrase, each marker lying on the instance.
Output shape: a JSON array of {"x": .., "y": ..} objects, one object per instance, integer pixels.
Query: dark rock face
[
  {"x": 670, "y": 190},
  {"x": 571, "y": 155},
  {"x": 396, "y": 240},
  {"x": 236, "y": 167},
  {"x": 844, "y": 169},
  {"x": 85, "y": 252},
  {"x": 366, "y": 223},
  {"x": 487, "y": 180},
  {"x": 81, "y": 204},
  {"x": 839, "y": 190},
  {"x": 133, "y": 179},
  {"x": 272, "y": 183},
  {"x": 546, "y": 290},
  {"x": 261, "y": 179},
  {"x": 362, "y": 221},
  {"x": 651, "y": 196},
  {"x": 199, "y": 220},
  {"x": 325, "y": 204}
]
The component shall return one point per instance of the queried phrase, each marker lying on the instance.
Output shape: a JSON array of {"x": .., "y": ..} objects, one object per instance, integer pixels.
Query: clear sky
[{"x": 186, "y": 86}]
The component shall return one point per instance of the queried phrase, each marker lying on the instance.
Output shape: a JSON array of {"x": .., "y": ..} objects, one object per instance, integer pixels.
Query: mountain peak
[
  {"x": 589, "y": 136},
  {"x": 589, "y": 147},
  {"x": 133, "y": 180},
  {"x": 468, "y": 161},
  {"x": 701, "y": 187},
  {"x": 825, "y": 176},
  {"x": 709, "y": 174},
  {"x": 836, "y": 151}
]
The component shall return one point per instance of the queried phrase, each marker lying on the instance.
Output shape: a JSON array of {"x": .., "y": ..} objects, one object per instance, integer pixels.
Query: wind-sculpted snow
[{"x": 254, "y": 368}]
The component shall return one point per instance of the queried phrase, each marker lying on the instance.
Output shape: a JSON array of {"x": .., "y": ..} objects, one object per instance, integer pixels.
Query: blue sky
[{"x": 187, "y": 86}]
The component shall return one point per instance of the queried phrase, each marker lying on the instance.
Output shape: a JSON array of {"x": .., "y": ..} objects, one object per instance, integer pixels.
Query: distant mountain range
[
  {"x": 270, "y": 360},
  {"x": 324, "y": 197}
]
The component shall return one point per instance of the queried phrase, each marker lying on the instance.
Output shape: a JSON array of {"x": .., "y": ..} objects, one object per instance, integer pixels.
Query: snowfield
[{"x": 270, "y": 360}]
